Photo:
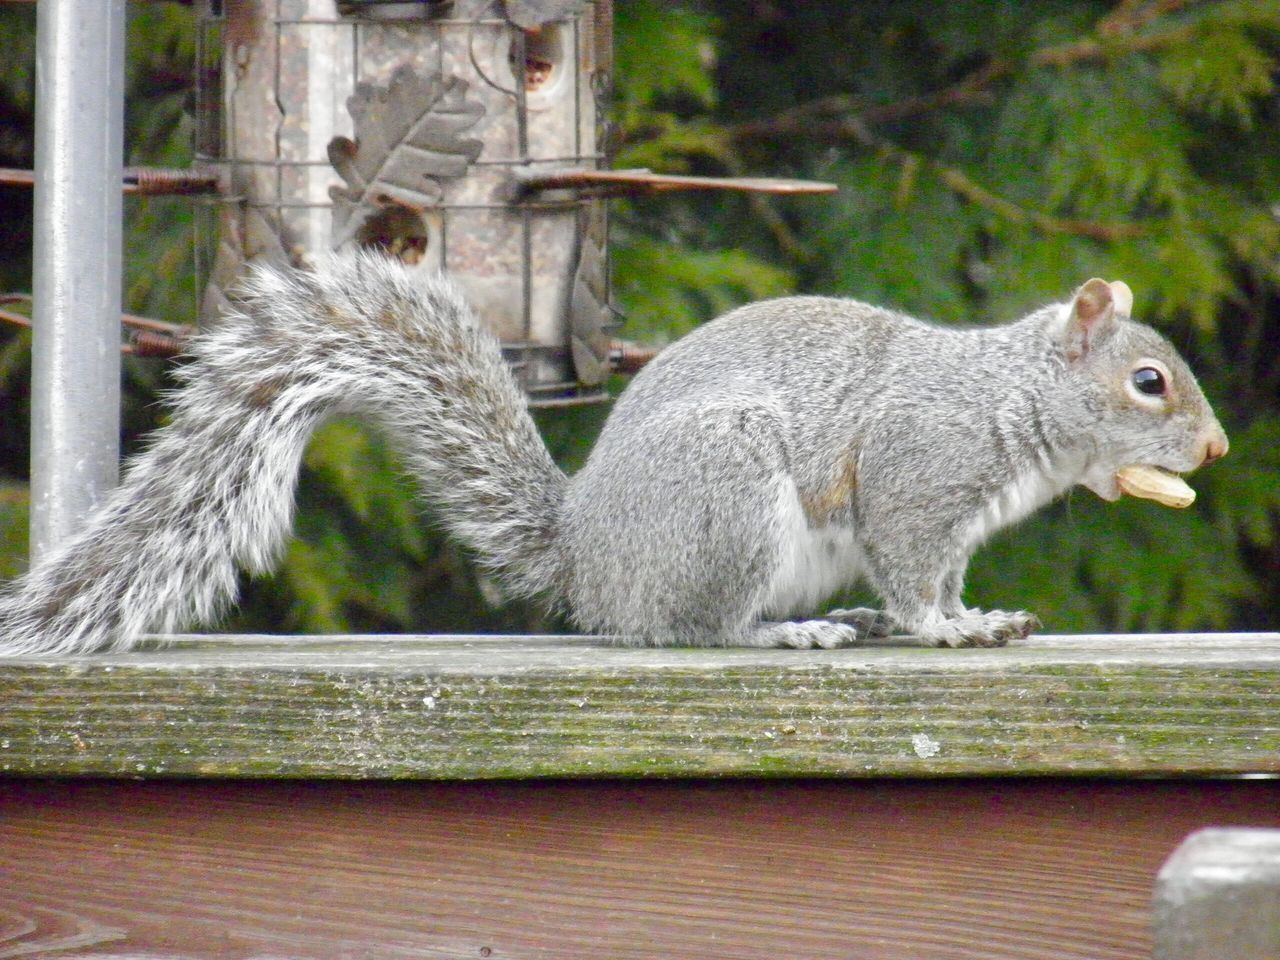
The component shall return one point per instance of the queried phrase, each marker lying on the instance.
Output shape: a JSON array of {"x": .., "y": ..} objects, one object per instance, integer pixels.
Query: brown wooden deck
[{"x": 901, "y": 852}]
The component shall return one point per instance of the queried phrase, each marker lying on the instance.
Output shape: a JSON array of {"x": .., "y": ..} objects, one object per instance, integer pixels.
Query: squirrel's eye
[{"x": 1150, "y": 381}]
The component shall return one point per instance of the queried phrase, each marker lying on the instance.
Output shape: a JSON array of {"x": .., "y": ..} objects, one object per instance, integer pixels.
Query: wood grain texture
[
  {"x": 477, "y": 707},
  {"x": 733, "y": 870}
]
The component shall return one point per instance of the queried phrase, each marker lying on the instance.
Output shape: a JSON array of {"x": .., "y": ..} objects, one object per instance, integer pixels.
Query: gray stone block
[{"x": 1217, "y": 897}]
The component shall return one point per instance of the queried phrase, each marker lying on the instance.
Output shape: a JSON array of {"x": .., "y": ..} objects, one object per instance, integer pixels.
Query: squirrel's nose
[{"x": 1215, "y": 448}]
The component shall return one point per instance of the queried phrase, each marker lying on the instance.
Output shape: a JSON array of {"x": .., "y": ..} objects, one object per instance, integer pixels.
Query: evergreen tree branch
[
  {"x": 1089, "y": 48},
  {"x": 1130, "y": 16},
  {"x": 776, "y": 224},
  {"x": 975, "y": 193},
  {"x": 854, "y": 129},
  {"x": 973, "y": 88},
  {"x": 1116, "y": 35},
  {"x": 676, "y": 139},
  {"x": 843, "y": 117}
]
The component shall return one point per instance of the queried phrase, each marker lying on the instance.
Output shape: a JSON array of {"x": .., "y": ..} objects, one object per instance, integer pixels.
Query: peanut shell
[{"x": 1150, "y": 483}]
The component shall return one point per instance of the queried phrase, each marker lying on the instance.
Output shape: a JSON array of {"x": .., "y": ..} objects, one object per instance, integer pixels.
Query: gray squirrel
[{"x": 757, "y": 465}]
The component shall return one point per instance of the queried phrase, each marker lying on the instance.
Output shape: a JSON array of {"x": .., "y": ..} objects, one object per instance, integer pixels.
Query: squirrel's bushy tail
[{"x": 213, "y": 493}]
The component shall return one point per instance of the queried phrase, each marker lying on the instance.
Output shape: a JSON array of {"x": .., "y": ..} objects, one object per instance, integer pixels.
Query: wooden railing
[
  {"x": 199, "y": 800},
  {"x": 484, "y": 707}
]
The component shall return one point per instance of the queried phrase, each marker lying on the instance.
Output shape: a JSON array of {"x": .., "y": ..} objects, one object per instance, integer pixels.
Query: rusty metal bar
[
  {"x": 147, "y": 337},
  {"x": 628, "y": 357},
  {"x": 143, "y": 180},
  {"x": 613, "y": 182}
]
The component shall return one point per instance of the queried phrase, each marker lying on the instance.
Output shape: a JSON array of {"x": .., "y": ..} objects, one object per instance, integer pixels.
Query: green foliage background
[{"x": 990, "y": 155}]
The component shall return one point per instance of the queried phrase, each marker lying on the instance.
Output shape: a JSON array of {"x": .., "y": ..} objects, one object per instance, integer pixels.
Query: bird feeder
[{"x": 460, "y": 136}]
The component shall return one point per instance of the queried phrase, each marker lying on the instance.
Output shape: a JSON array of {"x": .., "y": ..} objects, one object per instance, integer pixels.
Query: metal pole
[{"x": 79, "y": 154}]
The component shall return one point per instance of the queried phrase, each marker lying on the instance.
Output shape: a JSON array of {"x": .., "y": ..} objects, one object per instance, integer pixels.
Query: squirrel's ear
[
  {"x": 1093, "y": 313},
  {"x": 1122, "y": 296}
]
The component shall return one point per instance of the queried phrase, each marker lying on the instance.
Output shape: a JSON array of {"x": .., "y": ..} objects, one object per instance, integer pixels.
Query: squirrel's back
[{"x": 828, "y": 365}]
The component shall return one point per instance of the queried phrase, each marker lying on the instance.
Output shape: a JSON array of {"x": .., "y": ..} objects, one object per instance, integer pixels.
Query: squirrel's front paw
[{"x": 976, "y": 629}]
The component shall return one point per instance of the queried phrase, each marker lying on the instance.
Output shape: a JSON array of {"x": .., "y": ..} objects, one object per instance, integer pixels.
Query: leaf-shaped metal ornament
[
  {"x": 589, "y": 311},
  {"x": 409, "y": 137},
  {"x": 245, "y": 236}
]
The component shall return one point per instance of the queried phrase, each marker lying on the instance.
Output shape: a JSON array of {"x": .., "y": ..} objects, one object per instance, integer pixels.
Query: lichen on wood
[{"x": 486, "y": 707}]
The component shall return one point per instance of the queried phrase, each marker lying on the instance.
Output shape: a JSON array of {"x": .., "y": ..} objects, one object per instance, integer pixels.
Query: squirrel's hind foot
[
  {"x": 995, "y": 628},
  {"x": 801, "y": 635},
  {"x": 870, "y": 624}
]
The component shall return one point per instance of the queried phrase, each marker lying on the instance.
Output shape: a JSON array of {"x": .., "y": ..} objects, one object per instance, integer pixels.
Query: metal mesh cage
[{"x": 415, "y": 127}]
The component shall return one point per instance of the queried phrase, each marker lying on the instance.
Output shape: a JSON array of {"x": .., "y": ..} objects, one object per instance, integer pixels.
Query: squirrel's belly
[{"x": 813, "y": 563}]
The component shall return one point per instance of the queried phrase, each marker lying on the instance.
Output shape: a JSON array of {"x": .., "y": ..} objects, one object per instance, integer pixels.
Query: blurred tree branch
[
  {"x": 1117, "y": 35},
  {"x": 850, "y": 120}
]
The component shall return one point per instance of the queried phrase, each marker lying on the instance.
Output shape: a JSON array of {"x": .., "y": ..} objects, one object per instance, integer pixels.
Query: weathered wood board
[
  {"x": 493, "y": 707},
  {"x": 1028, "y": 869}
]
